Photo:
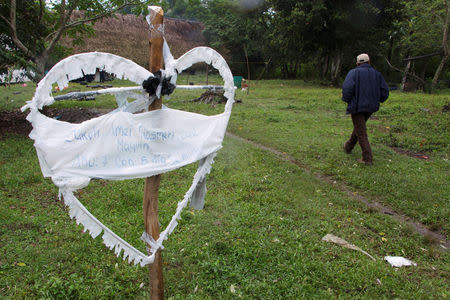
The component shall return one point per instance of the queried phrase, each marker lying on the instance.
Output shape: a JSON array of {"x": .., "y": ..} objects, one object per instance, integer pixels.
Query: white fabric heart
[{"x": 123, "y": 145}]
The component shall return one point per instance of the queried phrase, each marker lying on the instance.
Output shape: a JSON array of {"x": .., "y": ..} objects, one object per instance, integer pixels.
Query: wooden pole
[
  {"x": 151, "y": 188},
  {"x": 248, "y": 66}
]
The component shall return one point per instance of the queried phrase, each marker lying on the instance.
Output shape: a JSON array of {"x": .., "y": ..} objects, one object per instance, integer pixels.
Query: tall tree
[
  {"x": 33, "y": 29},
  {"x": 445, "y": 48},
  {"x": 326, "y": 30},
  {"x": 185, "y": 9},
  {"x": 241, "y": 29},
  {"x": 422, "y": 36}
]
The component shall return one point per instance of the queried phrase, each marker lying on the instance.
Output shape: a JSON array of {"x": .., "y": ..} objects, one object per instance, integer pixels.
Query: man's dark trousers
[{"x": 359, "y": 135}]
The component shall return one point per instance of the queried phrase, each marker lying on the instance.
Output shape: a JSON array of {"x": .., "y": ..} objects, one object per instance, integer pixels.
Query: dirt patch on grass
[
  {"x": 73, "y": 115},
  {"x": 14, "y": 122},
  {"x": 418, "y": 155},
  {"x": 22, "y": 227}
]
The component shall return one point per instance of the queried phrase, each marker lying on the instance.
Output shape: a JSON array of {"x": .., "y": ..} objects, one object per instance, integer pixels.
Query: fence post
[{"x": 151, "y": 187}]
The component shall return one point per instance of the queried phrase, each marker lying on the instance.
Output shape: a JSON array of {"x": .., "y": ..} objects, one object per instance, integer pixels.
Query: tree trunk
[
  {"x": 438, "y": 72},
  {"x": 445, "y": 48},
  {"x": 405, "y": 75},
  {"x": 336, "y": 64},
  {"x": 296, "y": 68},
  {"x": 288, "y": 70},
  {"x": 246, "y": 59},
  {"x": 325, "y": 66},
  {"x": 41, "y": 62},
  {"x": 422, "y": 75},
  {"x": 390, "y": 51},
  {"x": 284, "y": 71},
  {"x": 264, "y": 70}
]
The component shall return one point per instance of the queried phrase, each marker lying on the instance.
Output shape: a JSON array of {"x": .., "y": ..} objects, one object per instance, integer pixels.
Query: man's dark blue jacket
[{"x": 363, "y": 89}]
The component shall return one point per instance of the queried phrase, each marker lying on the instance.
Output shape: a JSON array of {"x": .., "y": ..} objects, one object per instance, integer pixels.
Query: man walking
[{"x": 364, "y": 89}]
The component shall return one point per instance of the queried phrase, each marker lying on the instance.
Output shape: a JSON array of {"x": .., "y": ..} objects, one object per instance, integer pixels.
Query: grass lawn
[
  {"x": 259, "y": 236},
  {"x": 310, "y": 124}
]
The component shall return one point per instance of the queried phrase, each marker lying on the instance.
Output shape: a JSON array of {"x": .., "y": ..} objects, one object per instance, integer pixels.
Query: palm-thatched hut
[{"x": 128, "y": 36}]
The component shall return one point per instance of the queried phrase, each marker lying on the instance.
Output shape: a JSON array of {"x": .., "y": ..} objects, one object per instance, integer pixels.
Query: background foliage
[
  {"x": 311, "y": 39},
  {"x": 320, "y": 39}
]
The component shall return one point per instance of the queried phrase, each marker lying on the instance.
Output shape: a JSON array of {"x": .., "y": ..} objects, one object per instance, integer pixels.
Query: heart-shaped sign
[{"x": 124, "y": 144}]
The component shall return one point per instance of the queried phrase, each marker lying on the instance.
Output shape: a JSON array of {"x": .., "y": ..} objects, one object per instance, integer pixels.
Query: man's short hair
[{"x": 362, "y": 58}]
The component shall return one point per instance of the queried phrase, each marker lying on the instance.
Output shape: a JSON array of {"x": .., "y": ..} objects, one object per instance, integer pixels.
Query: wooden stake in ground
[{"x": 151, "y": 187}]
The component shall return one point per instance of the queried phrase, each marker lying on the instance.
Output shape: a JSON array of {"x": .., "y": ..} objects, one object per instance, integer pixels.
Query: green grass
[
  {"x": 264, "y": 218},
  {"x": 310, "y": 124},
  {"x": 15, "y": 96}
]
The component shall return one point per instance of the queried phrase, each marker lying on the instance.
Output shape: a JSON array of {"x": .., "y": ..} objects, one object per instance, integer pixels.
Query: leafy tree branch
[{"x": 37, "y": 42}]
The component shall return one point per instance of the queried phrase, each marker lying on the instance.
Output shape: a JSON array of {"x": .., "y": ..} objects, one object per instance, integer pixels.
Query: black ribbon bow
[{"x": 152, "y": 83}]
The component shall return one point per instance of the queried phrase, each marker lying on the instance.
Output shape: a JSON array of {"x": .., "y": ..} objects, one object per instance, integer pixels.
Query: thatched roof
[{"x": 128, "y": 36}]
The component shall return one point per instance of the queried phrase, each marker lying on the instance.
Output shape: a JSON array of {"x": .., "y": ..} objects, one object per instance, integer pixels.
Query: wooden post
[
  {"x": 150, "y": 206},
  {"x": 248, "y": 66}
]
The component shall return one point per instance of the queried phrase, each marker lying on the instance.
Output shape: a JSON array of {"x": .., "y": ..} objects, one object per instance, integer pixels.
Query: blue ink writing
[
  {"x": 84, "y": 135},
  {"x": 151, "y": 135},
  {"x": 121, "y": 131},
  {"x": 124, "y": 146},
  {"x": 82, "y": 162}
]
